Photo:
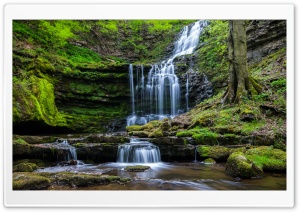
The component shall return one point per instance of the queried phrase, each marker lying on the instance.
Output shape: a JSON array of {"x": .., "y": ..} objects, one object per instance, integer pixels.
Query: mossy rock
[
  {"x": 206, "y": 137},
  {"x": 83, "y": 180},
  {"x": 36, "y": 139},
  {"x": 165, "y": 124},
  {"x": 140, "y": 134},
  {"x": 30, "y": 181},
  {"x": 226, "y": 129},
  {"x": 238, "y": 165},
  {"x": 219, "y": 153},
  {"x": 25, "y": 167},
  {"x": 209, "y": 161},
  {"x": 136, "y": 168},
  {"x": 134, "y": 128},
  {"x": 156, "y": 133},
  {"x": 247, "y": 115},
  {"x": 268, "y": 158}
]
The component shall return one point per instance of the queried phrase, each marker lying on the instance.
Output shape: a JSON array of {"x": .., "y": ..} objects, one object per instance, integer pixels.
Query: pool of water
[{"x": 173, "y": 176}]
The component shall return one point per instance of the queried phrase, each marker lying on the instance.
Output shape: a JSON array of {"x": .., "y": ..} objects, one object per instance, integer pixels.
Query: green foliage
[
  {"x": 79, "y": 55},
  {"x": 213, "y": 53}
]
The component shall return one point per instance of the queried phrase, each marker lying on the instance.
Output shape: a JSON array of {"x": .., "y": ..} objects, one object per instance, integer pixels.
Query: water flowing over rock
[
  {"x": 160, "y": 97},
  {"x": 138, "y": 151}
]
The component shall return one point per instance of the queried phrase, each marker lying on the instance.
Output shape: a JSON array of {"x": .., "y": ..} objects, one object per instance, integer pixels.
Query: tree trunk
[{"x": 240, "y": 85}]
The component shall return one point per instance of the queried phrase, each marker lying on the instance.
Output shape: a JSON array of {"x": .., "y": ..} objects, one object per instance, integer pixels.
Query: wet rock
[
  {"x": 179, "y": 153},
  {"x": 238, "y": 165},
  {"x": 136, "y": 168}
]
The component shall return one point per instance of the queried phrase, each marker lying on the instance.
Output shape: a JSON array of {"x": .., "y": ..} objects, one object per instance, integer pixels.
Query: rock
[
  {"x": 268, "y": 158},
  {"x": 238, "y": 165},
  {"x": 209, "y": 161},
  {"x": 248, "y": 117},
  {"x": 36, "y": 139},
  {"x": 140, "y": 134},
  {"x": 136, "y": 168},
  {"x": 219, "y": 153},
  {"x": 156, "y": 133},
  {"x": 25, "y": 167},
  {"x": 179, "y": 153},
  {"x": 30, "y": 181}
]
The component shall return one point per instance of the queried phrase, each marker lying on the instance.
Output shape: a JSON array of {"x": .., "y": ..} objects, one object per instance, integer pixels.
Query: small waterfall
[
  {"x": 160, "y": 98},
  {"x": 187, "y": 92},
  {"x": 138, "y": 151},
  {"x": 131, "y": 89},
  {"x": 69, "y": 152}
]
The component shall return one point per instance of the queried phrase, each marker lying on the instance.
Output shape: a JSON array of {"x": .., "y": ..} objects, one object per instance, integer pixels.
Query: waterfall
[
  {"x": 131, "y": 88},
  {"x": 138, "y": 151},
  {"x": 187, "y": 92},
  {"x": 160, "y": 98},
  {"x": 70, "y": 151}
]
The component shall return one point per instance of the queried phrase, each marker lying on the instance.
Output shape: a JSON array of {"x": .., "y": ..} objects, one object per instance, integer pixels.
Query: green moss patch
[
  {"x": 268, "y": 158},
  {"x": 219, "y": 153},
  {"x": 30, "y": 181}
]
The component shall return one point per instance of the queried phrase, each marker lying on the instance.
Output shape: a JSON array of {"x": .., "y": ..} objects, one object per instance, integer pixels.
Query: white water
[
  {"x": 187, "y": 92},
  {"x": 160, "y": 98},
  {"x": 72, "y": 155},
  {"x": 138, "y": 151}
]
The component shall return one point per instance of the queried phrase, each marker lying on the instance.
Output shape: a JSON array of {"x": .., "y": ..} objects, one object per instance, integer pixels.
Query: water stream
[{"x": 138, "y": 151}]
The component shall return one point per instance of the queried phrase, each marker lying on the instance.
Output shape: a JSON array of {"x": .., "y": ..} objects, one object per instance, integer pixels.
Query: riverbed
[{"x": 172, "y": 176}]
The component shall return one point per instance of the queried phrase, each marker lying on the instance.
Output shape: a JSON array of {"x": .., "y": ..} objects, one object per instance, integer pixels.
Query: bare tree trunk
[{"x": 240, "y": 85}]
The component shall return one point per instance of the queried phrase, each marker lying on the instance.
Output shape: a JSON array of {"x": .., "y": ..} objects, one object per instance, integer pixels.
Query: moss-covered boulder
[
  {"x": 218, "y": 153},
  {"x": 30, "y": 181},
  {"x": 156, "y": 133},
  {"x": 25, "y": 167},
  {"x": 238, "y": 165},
  {"x": 209, "y": 161},
  {"x": 136, "y": 168},
  {"x": 268, "y": 158}
]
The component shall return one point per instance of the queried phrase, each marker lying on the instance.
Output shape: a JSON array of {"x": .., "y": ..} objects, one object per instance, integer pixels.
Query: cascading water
[
  {"x": 160, "y": 98},
  {"x": 138, "y": 151},
  {"x": 70, "y": 150},
  {"x": 187, "y": 92}
]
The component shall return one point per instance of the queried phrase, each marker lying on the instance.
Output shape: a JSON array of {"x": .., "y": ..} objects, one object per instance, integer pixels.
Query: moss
[
  {"x": 219, "y": 153},
  {"x": 206, "y": 137},
  {"x": 156, "y": 133},
  {"x": 134, "y": 128},
  {"x": 238, "y": 165},
  {"x": 25, "y": 167},
  {"x": 268, "y": 158},
  {"x": 20, "y": 141},
  {"x": 209, "y": 161},
  {"x": 79, "y": 145},
  {"x": 137, "y": 168},
  {"x": 29, "y": 181}
]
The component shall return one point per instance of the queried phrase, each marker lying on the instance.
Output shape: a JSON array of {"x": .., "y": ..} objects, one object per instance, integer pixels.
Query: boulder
[{"x": 238, "y": 165}]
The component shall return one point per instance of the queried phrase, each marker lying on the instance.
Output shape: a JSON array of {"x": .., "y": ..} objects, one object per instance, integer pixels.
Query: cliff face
[
  {"x": 265, "y": 38},
  {"x": 72, "y": 76}
]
